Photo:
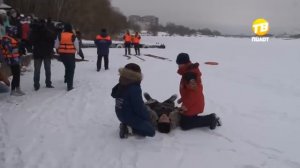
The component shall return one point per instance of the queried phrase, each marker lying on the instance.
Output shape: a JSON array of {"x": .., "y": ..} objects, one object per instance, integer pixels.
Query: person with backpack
[
  {"x": 192, "y": 98},
  {"x": 67, "y": 44},
  {"x": 129, "y": 105}
]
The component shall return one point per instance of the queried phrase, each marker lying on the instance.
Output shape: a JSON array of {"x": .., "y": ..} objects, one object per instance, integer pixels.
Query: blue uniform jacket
[
  {"x": 130, "y": 107},
  {"x": 103, "y": 45}
]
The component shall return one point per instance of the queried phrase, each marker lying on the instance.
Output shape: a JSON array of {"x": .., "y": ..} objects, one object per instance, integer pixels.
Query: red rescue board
[{"x": 211, "y": 63}]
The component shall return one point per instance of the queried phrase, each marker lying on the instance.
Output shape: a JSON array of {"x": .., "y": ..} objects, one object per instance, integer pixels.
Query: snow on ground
[{"x": 254, "y": 89}]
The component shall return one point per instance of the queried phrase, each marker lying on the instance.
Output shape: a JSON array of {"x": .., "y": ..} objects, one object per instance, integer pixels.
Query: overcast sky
[{"x": 227, "y": 16}]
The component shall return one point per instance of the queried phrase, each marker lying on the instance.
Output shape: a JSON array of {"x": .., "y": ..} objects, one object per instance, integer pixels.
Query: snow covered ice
[{"x": 255, "y": 90}]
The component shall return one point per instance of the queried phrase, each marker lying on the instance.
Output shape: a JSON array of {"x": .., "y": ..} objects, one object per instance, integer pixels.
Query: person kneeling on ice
[
  {"x": 192, "y": 98},
  {"x": 165, "y": 116},
  {"x": 130, "y": 108}
]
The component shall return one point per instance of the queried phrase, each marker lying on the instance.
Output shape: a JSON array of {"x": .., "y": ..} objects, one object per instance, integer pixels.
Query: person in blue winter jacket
[
  {"x": 103, "y": 41},
  {"x": 130, "y": 107}
]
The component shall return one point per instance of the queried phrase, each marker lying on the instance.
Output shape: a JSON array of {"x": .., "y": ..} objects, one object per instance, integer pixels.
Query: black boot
[
  {"x": 147, "y": 96},
  {"x": 49, "y": 86},
  {"x": 215, "y": 122},
  {"x": 173, "y": 97},
  {"x": 123, "y": 131},
  {"x": 36, "y": 87}
]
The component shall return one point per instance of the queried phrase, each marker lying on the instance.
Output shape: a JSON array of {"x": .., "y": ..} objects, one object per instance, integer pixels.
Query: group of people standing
[
  {"x": 132, "y": 40},
  {"x": 39, "y": 37},
  {"x": 139, "y": 118},
  {"x": 41, "y": 40},
  {"x": 103, "y": 42}
]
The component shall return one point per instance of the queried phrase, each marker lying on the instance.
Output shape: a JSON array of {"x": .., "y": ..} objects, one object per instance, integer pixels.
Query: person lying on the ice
[{"x": 165, "y": 116}]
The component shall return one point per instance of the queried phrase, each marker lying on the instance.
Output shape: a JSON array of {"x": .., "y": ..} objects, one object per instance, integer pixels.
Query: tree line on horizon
[
  {"x": 172, "y": 28},
  {"x": 89, "y": 16}
]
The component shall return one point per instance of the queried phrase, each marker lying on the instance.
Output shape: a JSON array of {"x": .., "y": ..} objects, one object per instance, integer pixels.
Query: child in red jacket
[{"x": 192, "y": 98}]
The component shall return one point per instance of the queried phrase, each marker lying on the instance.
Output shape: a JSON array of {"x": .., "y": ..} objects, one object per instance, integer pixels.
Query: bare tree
[{"x": 87, "y": 15}]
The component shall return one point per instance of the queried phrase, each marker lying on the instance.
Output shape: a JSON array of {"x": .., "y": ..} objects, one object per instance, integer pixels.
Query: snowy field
[{"x": 255, "y": 90}]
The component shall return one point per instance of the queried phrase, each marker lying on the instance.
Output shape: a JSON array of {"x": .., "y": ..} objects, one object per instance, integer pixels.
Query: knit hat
[
  {"x": 163, "y": 127},
  {"x": 183, "y": 58}
]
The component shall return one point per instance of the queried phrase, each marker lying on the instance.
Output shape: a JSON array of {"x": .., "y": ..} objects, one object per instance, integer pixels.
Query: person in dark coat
[
  {"x": 51, "y": 28},
  {"x": 42, "y": 38},
  {"x": 103, "y": 41},
  {"x": 130, "y": 107}
]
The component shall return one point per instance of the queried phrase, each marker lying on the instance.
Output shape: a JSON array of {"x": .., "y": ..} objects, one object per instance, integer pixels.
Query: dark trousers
[
  {"x": 190, "y": 122},
  {"x": 99, "y": 61},
  {"x": 37, "y": 69},
  {"x": 16, "y": 72},
  {"x": 127, "y": 48},
  {"x": 137, "y": 49},
  {"x": 139, "y": 125},
  {"x": 69, "y": 62},
  {"x": 27, "y": 45},
  {"x": 144, "y": 129}
]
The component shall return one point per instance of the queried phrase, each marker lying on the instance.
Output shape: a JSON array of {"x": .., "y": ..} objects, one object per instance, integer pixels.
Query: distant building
[
  {"x": 151, "y": 20},
  {"x": 145, "y": 21},
  {"x": 135, "y": 18}
]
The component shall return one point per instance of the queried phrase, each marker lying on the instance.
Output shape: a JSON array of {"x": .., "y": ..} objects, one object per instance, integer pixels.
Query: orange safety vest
[
  {"x": 137, "y": 39},
  {"x": 66, "y": 45},
  {"x": 127, "y": 38},
  {"x": 99, "y": 37},
  {"x": 15, "y": 48}
]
